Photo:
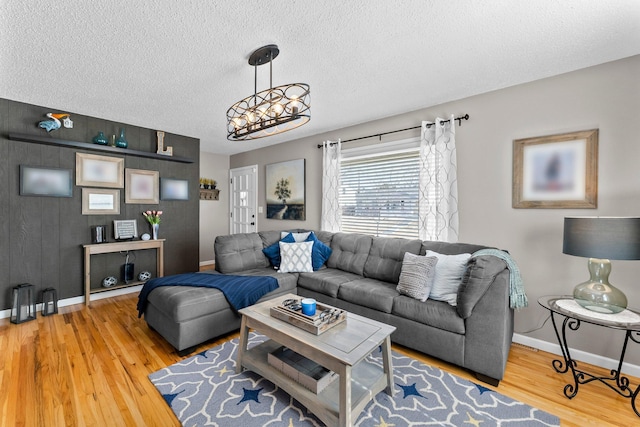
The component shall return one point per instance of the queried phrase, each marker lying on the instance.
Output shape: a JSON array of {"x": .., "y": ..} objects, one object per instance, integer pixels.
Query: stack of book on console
[{"x": 306, "y": 372}]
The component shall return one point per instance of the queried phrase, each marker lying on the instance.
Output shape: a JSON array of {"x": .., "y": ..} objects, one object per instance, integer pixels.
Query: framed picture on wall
[
  {"x": 99, "y": 171},
  {"x": 285, "y": 190},
  {"x": 557, "y": 171},
  {"x": 45, "y": 181},
  {"x": 100, "y": 201},
  {"x": 141, "y": 186},
  {"x": 174, "y": 189}
]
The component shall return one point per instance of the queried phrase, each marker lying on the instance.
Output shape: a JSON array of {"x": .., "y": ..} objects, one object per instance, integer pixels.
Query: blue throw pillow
[
  {"x": 273, "y": 252},
  {"x": 320, "y": 252}
]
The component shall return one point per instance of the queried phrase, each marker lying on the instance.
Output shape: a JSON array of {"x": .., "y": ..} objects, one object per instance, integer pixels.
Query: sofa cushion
[
  {"x": 385, "y": 257},
  {"x": 416, "y": 277},
  {"x": 296, "y": 257},
  {"x": 183, "y": 303},
  {"x": 272, "y": 252},
  {"x": 369, "y": 293},
  {"x": 349, "y": 252},
  {"x": 448, "y": 277},
  {"x": 320, "y": 252},
  {"x": 239, "y": 252},
  {"x": 433, "y": 313},
  {"x": 481, "y": 272},
  {"x": 326, "y": 281}
]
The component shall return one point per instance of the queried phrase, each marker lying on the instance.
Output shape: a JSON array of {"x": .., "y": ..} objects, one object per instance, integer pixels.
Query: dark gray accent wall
[{"x": 41, "y": 238}]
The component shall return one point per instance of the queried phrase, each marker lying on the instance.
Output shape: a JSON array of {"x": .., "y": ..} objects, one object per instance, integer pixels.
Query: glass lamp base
[{"x": 597, "y": 294}]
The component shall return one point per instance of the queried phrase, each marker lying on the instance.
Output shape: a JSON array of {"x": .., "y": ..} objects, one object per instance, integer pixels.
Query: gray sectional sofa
[{"x": 360, "y": 276}]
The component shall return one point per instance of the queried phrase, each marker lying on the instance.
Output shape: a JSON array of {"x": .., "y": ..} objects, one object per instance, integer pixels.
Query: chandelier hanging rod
[{"x": 380, "y": 135}]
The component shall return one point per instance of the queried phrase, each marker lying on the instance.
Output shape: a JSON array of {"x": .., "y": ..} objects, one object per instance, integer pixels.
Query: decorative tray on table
[{"x": 326, "y": 316}]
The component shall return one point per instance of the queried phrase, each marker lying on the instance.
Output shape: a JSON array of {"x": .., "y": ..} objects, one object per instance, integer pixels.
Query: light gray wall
[
  {"x": 606, "y": 97},
  {"x": 214, "y": 214}
]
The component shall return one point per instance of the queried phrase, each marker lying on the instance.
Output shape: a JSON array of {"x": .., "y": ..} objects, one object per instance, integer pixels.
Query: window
[{"x": 379, "y": 193}]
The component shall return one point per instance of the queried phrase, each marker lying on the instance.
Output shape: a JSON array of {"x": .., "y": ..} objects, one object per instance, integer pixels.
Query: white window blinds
[{"x": 379, "y": 194}]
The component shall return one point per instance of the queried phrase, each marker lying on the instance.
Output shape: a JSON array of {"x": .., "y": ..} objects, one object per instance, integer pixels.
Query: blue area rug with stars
[{"x": 204, "y": 390}]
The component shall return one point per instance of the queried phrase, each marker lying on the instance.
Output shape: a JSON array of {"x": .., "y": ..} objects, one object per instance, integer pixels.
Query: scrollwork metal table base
[{"x": 572, "y": 321}]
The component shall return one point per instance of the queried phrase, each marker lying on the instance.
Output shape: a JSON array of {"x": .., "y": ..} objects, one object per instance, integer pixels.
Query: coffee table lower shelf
[{"x": 366, "y": 382}]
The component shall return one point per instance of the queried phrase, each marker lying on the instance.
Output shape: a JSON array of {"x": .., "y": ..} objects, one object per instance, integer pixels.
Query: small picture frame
[
  {"x": 556, "y": 171},
  {"x": 100, "y": 201},
  {"x": 174, "y": 189},
  {"x": 99, "y": 171},
  {"x": 141, "y": 186},
  {"x": 45, "y": 181},
  {"x": 125, "y": 229}
]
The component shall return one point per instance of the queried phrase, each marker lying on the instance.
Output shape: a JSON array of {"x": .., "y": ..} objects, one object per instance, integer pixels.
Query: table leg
[
  {"x": 242, "y": 344},
  {"x": 345, "y": 396},
  {"x": 387, "y": 364}
]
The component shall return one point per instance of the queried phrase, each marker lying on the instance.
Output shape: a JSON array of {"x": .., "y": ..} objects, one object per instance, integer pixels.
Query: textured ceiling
[{"x": 178, "y": 65}]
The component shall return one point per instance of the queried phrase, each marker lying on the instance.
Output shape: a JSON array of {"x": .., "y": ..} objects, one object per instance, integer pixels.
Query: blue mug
[{"x": 308, "y": 306}]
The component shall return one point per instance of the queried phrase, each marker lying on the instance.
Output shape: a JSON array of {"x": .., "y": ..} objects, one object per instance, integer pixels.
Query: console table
[
  {"x": 105, "y": 248},
  {"x": 573, "y": 314}
]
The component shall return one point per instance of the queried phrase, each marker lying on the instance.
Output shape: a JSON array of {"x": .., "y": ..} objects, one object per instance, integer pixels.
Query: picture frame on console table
[
  {"x": 99, "y": 171},
  {"x": 556, "y": 171},
  {"x": 141, "y": 186}
]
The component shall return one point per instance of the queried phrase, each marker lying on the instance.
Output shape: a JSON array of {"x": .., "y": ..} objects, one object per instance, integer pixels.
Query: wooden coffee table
[{"x": 339, "y": 349}]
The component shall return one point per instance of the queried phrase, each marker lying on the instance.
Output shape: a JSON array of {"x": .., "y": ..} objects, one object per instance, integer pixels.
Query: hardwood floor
[{"x": 89, "y": 366}]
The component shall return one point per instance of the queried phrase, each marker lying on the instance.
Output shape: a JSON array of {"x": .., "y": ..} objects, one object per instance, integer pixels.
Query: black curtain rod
[{"x": 380, "y": 135}]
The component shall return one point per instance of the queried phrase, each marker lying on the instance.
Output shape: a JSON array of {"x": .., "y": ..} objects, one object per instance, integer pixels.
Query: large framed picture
[
  {"x": 99, "y": 171},
  {"x": 141, "y": 186},
  {"x": 285, "y": 190},
  {"x": 45, "y": 181},
  {"x": 556, "y": 171},
  {"x": 100, "y": 201},
  {"x": 174, "y": 189}
]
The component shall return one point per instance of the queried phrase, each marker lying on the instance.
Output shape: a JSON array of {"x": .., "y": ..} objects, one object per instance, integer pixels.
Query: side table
[{"x": 573, "y": 314}]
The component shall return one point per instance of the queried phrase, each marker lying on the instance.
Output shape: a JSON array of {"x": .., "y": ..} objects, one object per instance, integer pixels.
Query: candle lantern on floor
[
  {"x": 49, "y": 301},
  {"x": 24, "y": 303}
]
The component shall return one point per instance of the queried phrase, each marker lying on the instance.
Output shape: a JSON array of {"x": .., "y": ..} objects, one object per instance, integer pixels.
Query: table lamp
[{"x": 601, "y": 239}]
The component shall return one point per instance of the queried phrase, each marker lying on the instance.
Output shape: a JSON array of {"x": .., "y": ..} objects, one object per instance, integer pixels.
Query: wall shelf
[
  {"x": 206, "y": 194},
  {"x": 94, "y": 147}
]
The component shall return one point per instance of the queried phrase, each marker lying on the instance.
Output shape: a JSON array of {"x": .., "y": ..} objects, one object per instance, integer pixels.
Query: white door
[{"x": 243, "y": 184}]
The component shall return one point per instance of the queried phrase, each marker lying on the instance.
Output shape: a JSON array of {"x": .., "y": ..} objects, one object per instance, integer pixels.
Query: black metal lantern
[
  {"x": 24, "y": 303},
  {"x": 49, "y": 301}
]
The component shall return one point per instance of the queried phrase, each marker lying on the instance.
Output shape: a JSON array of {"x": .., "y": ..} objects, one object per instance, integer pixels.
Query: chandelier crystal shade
[{"x": 272, "y": 111}]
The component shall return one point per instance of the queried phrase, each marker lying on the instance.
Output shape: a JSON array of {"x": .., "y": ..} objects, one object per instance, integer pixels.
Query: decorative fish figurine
[{"x": 54, "y": 123}]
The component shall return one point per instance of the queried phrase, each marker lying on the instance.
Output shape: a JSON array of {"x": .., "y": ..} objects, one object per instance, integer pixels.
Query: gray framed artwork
[{"x": 45, "y": 181}]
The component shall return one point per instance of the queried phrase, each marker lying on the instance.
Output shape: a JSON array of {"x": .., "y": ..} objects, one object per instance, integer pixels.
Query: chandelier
[{"x": 272, "y": 111}]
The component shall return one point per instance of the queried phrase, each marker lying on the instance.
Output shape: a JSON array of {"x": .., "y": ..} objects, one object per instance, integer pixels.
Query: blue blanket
[{"x": 240, "y": 291}]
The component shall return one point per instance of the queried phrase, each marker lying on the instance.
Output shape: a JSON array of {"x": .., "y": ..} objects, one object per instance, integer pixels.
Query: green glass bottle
[
  {"x": 121, "y": 142},
  {"x": 100, "y": 139}
]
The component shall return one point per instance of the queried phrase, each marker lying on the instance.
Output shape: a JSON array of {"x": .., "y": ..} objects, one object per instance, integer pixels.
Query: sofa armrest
[{"x": 489, "y": 330}]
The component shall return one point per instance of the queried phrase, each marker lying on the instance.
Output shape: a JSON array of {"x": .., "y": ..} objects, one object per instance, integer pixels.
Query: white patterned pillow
[
  {"x": 416, "y": 276},
  {"x": 296, "y": 257}
]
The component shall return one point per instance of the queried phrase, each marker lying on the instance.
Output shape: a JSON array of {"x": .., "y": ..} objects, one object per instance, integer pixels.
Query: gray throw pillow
[
  {"x": 416, "y": 276},
  {"x": 448, "y": 278},
  {"x": 296, "y": 257}
]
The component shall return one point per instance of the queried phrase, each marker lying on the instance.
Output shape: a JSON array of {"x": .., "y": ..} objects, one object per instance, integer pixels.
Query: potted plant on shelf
[{"x": 154, "y": 219}]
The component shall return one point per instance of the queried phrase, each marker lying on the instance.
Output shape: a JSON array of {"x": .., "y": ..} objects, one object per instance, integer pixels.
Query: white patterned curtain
[
  {"x": 438, "y": 205},
  {"x": 331, "y": 218}
]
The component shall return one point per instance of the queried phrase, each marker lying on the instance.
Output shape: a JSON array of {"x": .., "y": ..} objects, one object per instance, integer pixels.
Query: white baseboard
[
  {"x": 80, "y": 300},
  {"x": 579, "y": 355},
  {"x": 211, "y": 262}
]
